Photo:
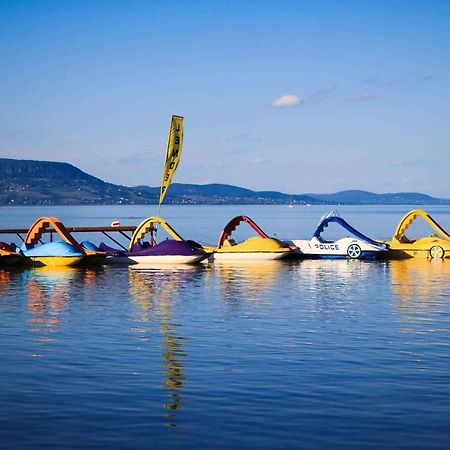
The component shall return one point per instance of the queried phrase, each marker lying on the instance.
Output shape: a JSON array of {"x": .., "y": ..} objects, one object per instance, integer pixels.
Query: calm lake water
[{"x": 300, "y": 354}]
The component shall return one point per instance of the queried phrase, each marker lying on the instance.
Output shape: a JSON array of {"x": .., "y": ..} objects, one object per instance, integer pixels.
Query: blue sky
[{"x": 313, "y": 96}]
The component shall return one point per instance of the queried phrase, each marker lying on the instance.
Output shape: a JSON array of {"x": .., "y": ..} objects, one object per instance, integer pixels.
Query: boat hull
[
  {"x": 60, "y": 254},
  {"x": 167, "y": 259},
  {"x": 53, "y": 261},
  {"x": 93, "y": 260},
  {"x": 317, "y": 249},
  {"x": 399, "y": 252},
  {"x": 10, "y": 260},
  {"x": 169, "y": 251},
  {"x": 256, "y": 248}
]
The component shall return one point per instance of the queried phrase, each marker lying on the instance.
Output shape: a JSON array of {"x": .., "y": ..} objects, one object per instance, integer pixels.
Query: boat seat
[{"x": 229, "y": 242}]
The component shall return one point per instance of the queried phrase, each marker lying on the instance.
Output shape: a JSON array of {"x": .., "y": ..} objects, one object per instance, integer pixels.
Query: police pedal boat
[{"x": 357, "y": 247}]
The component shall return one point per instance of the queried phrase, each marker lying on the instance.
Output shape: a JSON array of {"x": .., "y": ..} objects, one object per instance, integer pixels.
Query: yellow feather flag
[{"x": 173, "y": 153}]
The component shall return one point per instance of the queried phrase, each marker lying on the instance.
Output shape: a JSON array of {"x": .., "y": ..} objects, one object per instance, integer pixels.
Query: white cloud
[{"x": 287, "y": 100}]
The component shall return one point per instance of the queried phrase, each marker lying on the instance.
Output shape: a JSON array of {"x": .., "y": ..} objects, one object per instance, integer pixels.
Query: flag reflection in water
[{"x": 156, "y": 291}]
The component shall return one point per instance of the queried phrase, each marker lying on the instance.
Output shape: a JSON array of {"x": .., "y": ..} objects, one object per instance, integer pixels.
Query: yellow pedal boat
[
  {"x": 434, "y": 246},
  {"x": 66, "y": 252},
  {"x": 260, "y": 247}
]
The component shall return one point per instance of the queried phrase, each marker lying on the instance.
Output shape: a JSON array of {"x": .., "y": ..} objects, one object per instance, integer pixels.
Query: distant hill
[
  {"x": 222, "y": 194},
  {"x": 355, "y": 197},
  {"x": 26, "y": 182}
]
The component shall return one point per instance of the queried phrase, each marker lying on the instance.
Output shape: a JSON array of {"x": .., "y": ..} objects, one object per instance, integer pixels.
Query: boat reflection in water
[
  {"x": 337, "y": 290},
  {"x": 328, "y": 275},
  {"x": 246, "y": 280},
  {"x": 48, "y": 294},
  {"x": 156, "y": 291},
  {"x": 419, "y": 285},
  {"x": 5, "y": 280}
]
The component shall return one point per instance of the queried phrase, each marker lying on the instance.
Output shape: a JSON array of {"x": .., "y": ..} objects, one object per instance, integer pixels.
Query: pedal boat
[
  {"x": 435, "y": 246},
  {"x": 174, "y": 250},
  {"x": 260, "y": 247},
  {"x": 66, "y": 252},
  {"x": 357, "y": 247},
  {"x": 9, "y": 257}
]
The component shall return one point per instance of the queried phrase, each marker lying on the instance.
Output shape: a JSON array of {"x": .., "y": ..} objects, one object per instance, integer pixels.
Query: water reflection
[
  {"x": 5, "y": 281},
  {"x": 156, "y": 292},
  {"x": 419, "y": 284},
  {"x": 48, "y": 291},
  {"x": 246, "y": 280},
  {"x": 327, "y": 275},
  {"x": 337, "y": 288}
]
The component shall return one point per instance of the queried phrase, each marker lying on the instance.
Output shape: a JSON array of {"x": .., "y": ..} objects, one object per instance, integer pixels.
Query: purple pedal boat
[{"x": 174, "y": 250}]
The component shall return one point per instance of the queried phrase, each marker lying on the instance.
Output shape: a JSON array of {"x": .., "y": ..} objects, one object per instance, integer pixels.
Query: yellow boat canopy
[
  {"x": 149, "y": 226},
  {"x": 409, "y": 218}
]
